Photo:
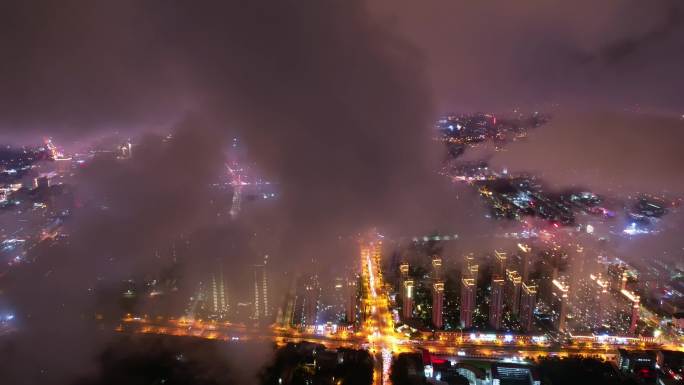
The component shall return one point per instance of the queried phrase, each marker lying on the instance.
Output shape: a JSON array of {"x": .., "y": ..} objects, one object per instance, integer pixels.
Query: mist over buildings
[
  {"x": 496, "y": 56},
  {"x": 614, "y": 153},
  {"x": 336, "y": 102},
  {"x": 334, "y": 108}
]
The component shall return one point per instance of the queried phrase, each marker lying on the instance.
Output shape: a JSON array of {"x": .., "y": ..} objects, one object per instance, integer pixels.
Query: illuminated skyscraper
[
  {"x": 623, "y": 280},
  {"x": 312, "y": 294},
  {"x": 219, "y": 296},
  {"x": 472, "y": 269},
  {"x": 528, "y": 302},
  {"x": 436, "y": 268},
  {"x": 598, "y": 308},
  {"x": 634, "y": 300},
  {"x": 286, "y": 312},
  {"x": 525, "y": 261},
  {"x": 513, "y": 285},
  {"x": 337, "y": 300},
  {"x": 467, "y": 301},
  {"x": 579, "y": 266},
  {"x": 210, "y": 300},
  {"x": 406, "y": 292},
  {"x": 407, "y": 309},
  {"x": 496, "y": 302},
  {"x": 500, "y": 257},
  {"x": 618, "y": 275},
  {"x": 560, "y": 302},
  {"x": 351, "y": 301},
  {"x": 404, "y": 270},
  {"x": 261, "y": 305},
  {"x": 437, "y": 304},
  {"x": 437, "y": 292}
]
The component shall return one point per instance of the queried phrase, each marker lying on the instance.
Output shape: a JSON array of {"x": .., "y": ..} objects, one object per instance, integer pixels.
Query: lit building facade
[
  {"x": 437, "y": 304},
  {"x": 513, "y": 286},
  {"x": 528, "y": 302},
  {"x": 219, "y": 296},
  {"x": 496, "y": 302},
  {"x": 407, "y": 292},
  {"x": 351, "y": 301},
  {"x": 471, "y": 266},
  {"x": 634, "y": 302},
  {"x": 560, "y": 303},
  {"x": 467, "y": 301},
  {"x": 525, "y": 261},
  {"x": 501, "y": 260},
  {"x": 261, "y": 304},
  {"x": 407, "y": 308},
  {"x": 436, "y": 268},
  {"x": 312, "y": 295}
]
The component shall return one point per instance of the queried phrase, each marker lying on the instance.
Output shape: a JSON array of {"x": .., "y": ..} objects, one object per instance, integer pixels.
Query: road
[
  {"x": 374, "y": 343},
  {"x": 377, "y": 325}
]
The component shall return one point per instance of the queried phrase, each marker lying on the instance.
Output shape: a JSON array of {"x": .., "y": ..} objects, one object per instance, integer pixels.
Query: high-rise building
[
  {"x": 437, "y": 304},
  {"x": 337, "y": 301},
  {"x": 286, "y": 311},
  {"x": 467, "y": 301},
  {"x": 616, "y": 273},
  {"x": 525, "y": 261},
  {"x": 404, "y": 270},
  {"x": 436, "y": 268},
  {"x": 560, "y": 291},
  {"x": 496, "y": 302},
  {"x": 301, "y": 301},
  {"x": 407, "y": 307},
  {"x": 623, "y": 280},
  {"x": 312, "y": 294},
  {"x": 473, "y": 272},
  {"x": 513, "y": 285},
  {"x": 471, "y": 268},
  {"x": 528, "y": 302},
  {"x": 634, "y": 300},
  {"x": 579, "y": 267},
  {"x": 500, "y": 257},
  {"x": 620, "y": 276},
  {"x": 210, "y": 300},
  {"x": 406, "y": 292},
  {"x": 599, "y": 308},
  {"x": 262, "y": 310},
  {"x": 219, "y": 295},
  {"x": 351, "y": 301},
  {"x": 437, "y": 292}
]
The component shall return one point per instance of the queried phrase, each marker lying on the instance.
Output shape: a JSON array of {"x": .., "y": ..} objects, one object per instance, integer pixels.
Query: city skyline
[{"x": 387, "y": 192}]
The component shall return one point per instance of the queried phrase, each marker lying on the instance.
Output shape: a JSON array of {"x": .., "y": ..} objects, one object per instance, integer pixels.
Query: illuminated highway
[
  {"x": 377, "y": 324},
  {"x": 458, "y": 345}
]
